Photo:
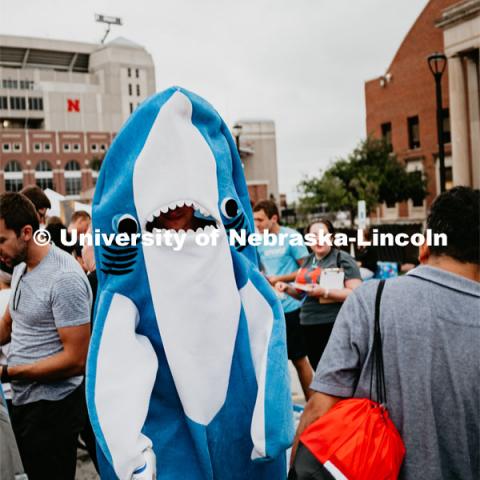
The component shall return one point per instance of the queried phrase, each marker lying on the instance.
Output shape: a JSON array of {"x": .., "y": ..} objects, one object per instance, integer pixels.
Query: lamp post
[
  {"x": 437, "y": 63},
  {"x": 109, "y": 21},
  {"x": 237, "y": 130}
]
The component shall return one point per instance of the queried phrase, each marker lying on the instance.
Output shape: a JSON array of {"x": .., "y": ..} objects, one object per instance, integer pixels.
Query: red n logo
[{"x": 73, "y": 105}]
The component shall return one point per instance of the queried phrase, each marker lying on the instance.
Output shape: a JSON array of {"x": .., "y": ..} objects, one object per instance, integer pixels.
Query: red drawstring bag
[{"x": 355, "y": 439}]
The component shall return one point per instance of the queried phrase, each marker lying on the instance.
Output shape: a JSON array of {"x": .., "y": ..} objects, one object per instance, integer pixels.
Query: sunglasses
[{"x": 18, "y": 292}]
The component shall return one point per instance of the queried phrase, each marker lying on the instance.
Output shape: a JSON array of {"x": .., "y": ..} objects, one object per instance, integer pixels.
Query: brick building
[
  {"x": 61, "y": 104},
  {"x": 401, "y": 107}
]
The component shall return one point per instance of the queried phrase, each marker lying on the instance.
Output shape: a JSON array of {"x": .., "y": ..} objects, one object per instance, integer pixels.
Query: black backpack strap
[
  {"x": 377, "y": 353},
  {"x": 339, "y": 265}
]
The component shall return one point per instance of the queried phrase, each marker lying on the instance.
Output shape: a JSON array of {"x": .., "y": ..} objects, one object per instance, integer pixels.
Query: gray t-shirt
[
  {"x": 313, "y": 312},
  {"x": 55, "y": 294},
  {"x": 430, "y": 327}
]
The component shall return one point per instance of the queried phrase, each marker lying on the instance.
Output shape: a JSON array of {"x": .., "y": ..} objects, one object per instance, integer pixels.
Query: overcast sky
[{"x": 302, "y": 63}]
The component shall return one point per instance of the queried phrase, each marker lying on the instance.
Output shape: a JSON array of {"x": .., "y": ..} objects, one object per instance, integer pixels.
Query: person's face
[
  {"x": 81, "y": 225},
  {"x": 88, "y": 256},
  {"x": 179, "y": 219},
  {"x": 13, "y": 249},
  {"x": 262, "y": 222},
  {"x": 319, "y": 249}
]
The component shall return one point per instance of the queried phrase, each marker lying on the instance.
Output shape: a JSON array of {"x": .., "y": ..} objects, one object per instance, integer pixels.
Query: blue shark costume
[{"x": 187, "y": 369}]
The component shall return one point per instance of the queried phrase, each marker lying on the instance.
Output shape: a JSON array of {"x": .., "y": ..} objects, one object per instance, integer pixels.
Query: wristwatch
[
  {"x": 5, "y": 377},
  {"x": 327, "y": 291}
]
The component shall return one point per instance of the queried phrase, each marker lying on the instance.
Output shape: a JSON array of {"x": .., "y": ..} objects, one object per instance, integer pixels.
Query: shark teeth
[{"x": 177, "y": 204}]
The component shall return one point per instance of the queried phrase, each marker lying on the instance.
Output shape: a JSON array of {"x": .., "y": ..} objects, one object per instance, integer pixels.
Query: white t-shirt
[{"x": 4, "y": 297}]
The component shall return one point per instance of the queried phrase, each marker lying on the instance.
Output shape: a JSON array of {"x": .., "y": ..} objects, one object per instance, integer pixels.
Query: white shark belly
[{"x": 197, "y": 305}]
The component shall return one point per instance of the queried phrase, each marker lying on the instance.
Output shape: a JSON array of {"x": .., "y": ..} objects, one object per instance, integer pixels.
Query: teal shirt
[{"x": 281, "y": 260}]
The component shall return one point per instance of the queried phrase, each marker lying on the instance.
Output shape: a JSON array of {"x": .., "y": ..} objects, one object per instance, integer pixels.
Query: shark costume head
[{"x": 188, "y": 357}]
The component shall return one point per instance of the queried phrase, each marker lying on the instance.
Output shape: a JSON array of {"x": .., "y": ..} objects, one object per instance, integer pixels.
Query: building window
[
  {"x": 76, "y": 147},
  {"x": 94, "y": 147},
  {"x": 17, "y": 147},
  {"x": 72, "y": 166},
  {"x": 26, "y": 84},
  {"x": 3, "y": 103},
  {"x": 413, "y": 132},
  {"x": 447, "y": 135},
  {"x": 73, "y": 178},
  {"x": 448, "y": 178},
  {"x": 66, "y": 147},
  {"x": 35, "y": 103},
  {"x": 18, "y": 103},
  {"x": 44, "y": 175},
  {"x": 47, "y": 147},
  {"x": 130, "y": 91},
  {"x": 37, "y": 147},
  {"x": 131, "y": 107},
  {"x": 103, "y": 147},
  {"x": 73, "y": 186},
  {"x": 387, "y": 133},
  {"x": 6, "y": 147},
  {"x": 8, "y": 83},
  {"x": 138, "y": 90},
  {"x": 129, "y": 72},
  {"x": 137, "y": 73},
  {"x": 13, "y": 176}
]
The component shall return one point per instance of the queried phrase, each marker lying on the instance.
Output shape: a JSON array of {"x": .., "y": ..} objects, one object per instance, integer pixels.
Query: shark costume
[{"x": 187, "y": 370}]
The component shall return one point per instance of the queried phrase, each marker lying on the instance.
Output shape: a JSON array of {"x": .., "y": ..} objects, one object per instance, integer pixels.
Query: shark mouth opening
[{"x": 181, "y": 216}]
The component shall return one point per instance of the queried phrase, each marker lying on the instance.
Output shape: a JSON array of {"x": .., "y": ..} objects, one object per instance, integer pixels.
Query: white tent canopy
[{"x": 59, "y": 202}]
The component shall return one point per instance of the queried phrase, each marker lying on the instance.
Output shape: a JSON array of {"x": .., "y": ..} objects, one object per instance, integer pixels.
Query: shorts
[{"x": 296, "y": 347}]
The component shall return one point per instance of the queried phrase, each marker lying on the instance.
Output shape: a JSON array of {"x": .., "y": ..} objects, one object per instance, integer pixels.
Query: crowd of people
[{"x": 430, "y": 325}]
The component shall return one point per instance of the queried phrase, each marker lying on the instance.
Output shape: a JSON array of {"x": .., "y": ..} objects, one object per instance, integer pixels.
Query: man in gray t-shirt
[
  {"x": 430, "y": 328},
  {"x": 48, "y": 323}
]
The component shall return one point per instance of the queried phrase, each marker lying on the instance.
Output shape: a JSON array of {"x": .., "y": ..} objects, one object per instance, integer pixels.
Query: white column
[
  {"x": 459, "y": 122},
  {"x": 473, "y": 82}
]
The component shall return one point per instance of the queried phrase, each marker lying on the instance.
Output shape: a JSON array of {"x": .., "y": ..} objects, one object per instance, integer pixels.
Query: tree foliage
[{"x": 371, "y": 173}]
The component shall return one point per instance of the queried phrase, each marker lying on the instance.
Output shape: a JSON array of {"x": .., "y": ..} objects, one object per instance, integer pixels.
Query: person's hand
[
  {"x": 406, "y": 267},
  {"x": 315, "y": 290},
  {"x": 273, "y": 279},
  {"x": 281, "y": 287}
]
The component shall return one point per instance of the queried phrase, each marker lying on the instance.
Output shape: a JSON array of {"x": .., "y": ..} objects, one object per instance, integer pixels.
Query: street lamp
[
  {"x": 237, "y": 131},
  {"x": 109, "y": 21},
  {"x": 437, "y": 63}
]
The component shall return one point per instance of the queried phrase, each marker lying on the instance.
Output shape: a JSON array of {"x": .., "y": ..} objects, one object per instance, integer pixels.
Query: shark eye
[
  {"x": 127, "y": 224},
  {"x": 229, "y": 208}
]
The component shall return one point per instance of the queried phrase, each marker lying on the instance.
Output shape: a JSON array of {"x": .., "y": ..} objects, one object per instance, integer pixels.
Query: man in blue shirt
[{"x": 280, "y": 263}]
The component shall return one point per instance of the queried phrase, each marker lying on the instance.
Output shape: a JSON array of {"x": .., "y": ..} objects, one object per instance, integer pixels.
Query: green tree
[
  {"x": 371, "y": 173},
  {"x": 96, "y": 163}
]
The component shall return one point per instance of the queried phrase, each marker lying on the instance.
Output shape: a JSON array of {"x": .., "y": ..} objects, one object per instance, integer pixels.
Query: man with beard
[{"x": 47, "y": 321}]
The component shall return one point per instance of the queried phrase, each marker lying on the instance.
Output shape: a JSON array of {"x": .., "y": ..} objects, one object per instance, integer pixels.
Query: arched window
[
  {"x": 44, "y": 175},
  {"x": 72, "y": 166},
  {"x": 13, "y": 176},
  {"x": 73, "y": 178}
]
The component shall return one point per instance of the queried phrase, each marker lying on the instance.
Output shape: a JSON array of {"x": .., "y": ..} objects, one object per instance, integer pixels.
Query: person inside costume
[{"x": 187, "y": 372}]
